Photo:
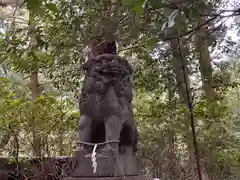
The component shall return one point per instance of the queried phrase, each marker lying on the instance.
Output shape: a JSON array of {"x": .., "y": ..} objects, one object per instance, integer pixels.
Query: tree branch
[{"x": 192, "y": 30}]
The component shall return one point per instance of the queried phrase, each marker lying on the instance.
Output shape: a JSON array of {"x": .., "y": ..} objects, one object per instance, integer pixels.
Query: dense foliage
[{"x": 186, "y": 61}]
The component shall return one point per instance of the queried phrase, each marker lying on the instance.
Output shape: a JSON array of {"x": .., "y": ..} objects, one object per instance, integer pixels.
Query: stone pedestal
[
  {"x": 109, "y": 167},
  {"x": 109, "y": 178}
]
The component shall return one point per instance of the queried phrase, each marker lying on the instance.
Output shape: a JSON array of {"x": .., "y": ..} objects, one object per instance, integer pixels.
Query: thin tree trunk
[
  {"x": 35, "y": 85},
  {"x": 61, "y": 148},
  {"x": 35, "y": 93},
  {"x": 35, "y": 88},
  {"x": 170, "y": 87},
  {"x": 179, "y": 64},
  {"x": 205, "y": 67},
  {"x": 204, "y": 58},
  {"x": 61, "y": 135},
  {"x": 172, "y": 160}
]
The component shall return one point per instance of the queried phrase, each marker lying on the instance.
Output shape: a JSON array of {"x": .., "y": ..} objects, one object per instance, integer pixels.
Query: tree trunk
[
  {"x": 174, "y": 172},
  {"x": 179, "y": 64},
  {"x": 205, "y": 67},
  {"x": 61, "y": 138},
  {"x": 35, "y": 93},
  {"x": 204, "y": 58},
  {"x": 35, "y": 85},
  {"x": 35, "y": 88}
]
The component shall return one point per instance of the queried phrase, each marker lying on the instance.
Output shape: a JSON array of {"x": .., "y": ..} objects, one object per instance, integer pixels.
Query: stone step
[
  {"x": 110, "y": 178},
  {"x": 107, "y": 166}
]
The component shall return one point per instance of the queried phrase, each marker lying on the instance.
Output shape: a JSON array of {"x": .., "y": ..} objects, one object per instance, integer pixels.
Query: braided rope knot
[{"x": 98, "y": 144}]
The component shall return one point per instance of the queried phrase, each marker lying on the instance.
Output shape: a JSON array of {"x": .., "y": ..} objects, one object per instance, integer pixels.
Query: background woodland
[{"x": 185, "y": 55}]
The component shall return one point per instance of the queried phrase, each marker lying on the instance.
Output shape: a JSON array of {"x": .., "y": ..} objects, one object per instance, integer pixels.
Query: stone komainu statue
[{"x": 106, "y": 104}]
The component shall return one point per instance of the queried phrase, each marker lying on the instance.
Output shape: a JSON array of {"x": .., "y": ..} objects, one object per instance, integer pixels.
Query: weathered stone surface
[
  {"x": 107, "y": 166},
  {"x": 110, "y": 178},
  {"x": 106, "y": 104},
  {"x": 106, "y": 126}
]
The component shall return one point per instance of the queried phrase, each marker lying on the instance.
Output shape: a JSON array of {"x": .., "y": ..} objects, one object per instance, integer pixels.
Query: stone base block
[
  {"x": 109, "y": 178},
  {"x": 107, "y": 166}
]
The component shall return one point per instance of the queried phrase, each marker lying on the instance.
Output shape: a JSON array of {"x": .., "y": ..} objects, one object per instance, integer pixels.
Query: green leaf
[
  {"x": 33, "y": 5},
  {"x": 52, "y": 7},
  {"x": 139, "y": 9},
  {"x": 151, "y": 42},
  {"x": 127, "y": 2}
]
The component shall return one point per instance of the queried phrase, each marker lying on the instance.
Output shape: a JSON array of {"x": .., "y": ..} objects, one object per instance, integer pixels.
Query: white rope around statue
[
  {"x": 93, "y": 155},
  {"x": 93, "y": 158},
  {"x": 102, "y": 143}
]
